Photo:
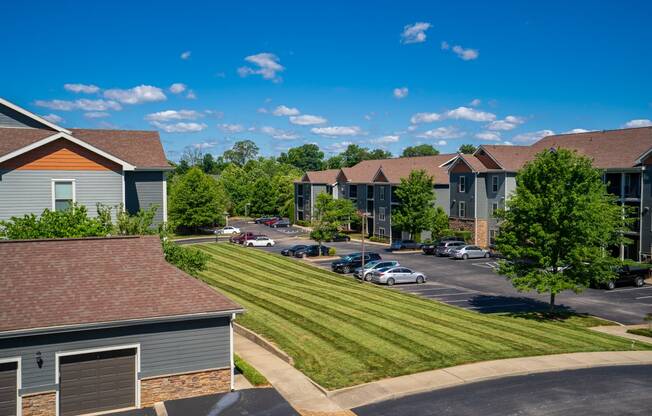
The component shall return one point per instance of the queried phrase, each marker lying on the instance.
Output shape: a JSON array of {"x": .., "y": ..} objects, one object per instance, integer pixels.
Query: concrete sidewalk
[
  {"x": 309, "y": 399},
  {"x": 621, "y": 331}
]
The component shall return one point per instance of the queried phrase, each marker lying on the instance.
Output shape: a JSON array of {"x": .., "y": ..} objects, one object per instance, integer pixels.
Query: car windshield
[
  {"x": 371, "y": 264},
  {"x": 297, "y": 247},
  {"x": 384, "y": 269}
]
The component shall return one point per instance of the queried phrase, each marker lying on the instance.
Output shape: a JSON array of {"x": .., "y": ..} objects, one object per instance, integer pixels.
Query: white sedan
[
  {"x": 260, "y": 241},
  {"x": 228, "y": 230}
]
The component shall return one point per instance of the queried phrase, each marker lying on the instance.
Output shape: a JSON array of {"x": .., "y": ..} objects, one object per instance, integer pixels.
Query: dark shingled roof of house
[
  {"x": 397, "y": 168},
  {"x": 69, "y": 282},
  {"x": 328, "y": 176}
]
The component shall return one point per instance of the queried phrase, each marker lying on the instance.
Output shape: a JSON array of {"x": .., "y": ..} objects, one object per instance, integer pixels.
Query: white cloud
[
  {"x": 573, "y": 131},
  {"x": 205, "y": 145},
  {"x": 442, "y": 143},
  {"x": 82, "y": 104},
  {"x": 532, "y": 136},
  {"x": 508, "y": 143},
  {"x": 262, "y": 110},
  {"x": 335, "y": 131},
  {"x": 425, "y": 118},
  {"x": 442, "y": 133},
  {"x": 400, "y": 92},
  {"x": 83, "y": 88},
  {"x": 177, "y": 88},
  {"x": 278, "y": 133},
  {"x": 415, "y": 33},
  {"x": 136, "y": 95},
  {"x": 471, "y": 114},
  {"x": 475, "y": 102},
  {"x": 267, "y": 63},
  {"x": 491, "y": 136},
  {"x": 231, "y": 128},
  {"x": 641, "y": 122},
  {"x": 169, "y": 115},
  {"x": 96, "y": 114},
  {"x": 509, "y": 123},
  {"x": 185, "y": 55},
  {"x": 53, "y": 118},
  {"x": 466, "y": 54},
  {"x": 181, "y": 127},
  {"x": 392, "y": 138},
  {"x": 282, "y": 110},
  {"x": 191, "y": 95},
  {"x": 307, "y": 120},
  {"x": 337, "y": 147}
]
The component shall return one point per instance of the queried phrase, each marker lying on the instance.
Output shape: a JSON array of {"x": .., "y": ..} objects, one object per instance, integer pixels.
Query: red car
[
  {"x": 240, "y": 238},
  {"x": 272, "y": 221}
]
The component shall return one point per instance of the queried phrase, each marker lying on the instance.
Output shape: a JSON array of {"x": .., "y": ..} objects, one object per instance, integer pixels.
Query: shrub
[
  {"x": 249, "y": 372},
  {"x": 379, "y": 239},
  {"x": 188, "y": 259},
  {"x": 332, "y": 251}
]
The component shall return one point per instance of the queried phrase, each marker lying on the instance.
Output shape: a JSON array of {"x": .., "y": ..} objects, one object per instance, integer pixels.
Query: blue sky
[{"x": 389, "y": 75}]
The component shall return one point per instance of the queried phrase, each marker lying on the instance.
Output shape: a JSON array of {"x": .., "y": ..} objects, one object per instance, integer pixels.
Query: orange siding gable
[{"x": 60, "y": 155}]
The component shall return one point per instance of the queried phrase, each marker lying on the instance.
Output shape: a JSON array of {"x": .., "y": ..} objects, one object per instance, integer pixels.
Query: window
[
  {"x": 300, "y": 216},
  {"x": 395, "y": 199},
  {"x": 462, "y": 184},
  {"x": 461, "y": 209},
  {"x": 381, "y": 232},
  {"x": 63, "y": 194},
  {"x": 492, "y": 237},
  {"x": 381, "y": 193},
  {"x": 353, "y": 191},
  {"x": 300, "y": 188},
  {"x": 381, "y": 214},
  {"x": 370, "y": 206},
  {"x": 494, "y": 208},
  {"x": 329, "y": 189},
  {"x": 494, "y": 183},
  {"x": 370, "y": 191}
]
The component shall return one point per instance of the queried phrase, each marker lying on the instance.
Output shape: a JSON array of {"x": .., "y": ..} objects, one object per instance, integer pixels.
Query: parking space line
[
  {"x": 644, "y": 297},
  {"x": 454, "y": 301},
  {"x": 455, "y": 294},
  {"x": 631, "y": 288},
  {"x": 508, "y": 305}
]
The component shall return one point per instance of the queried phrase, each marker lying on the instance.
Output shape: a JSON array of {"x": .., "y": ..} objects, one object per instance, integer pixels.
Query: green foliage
[
  {"x": 306, "y": 157},
  {"x": 335, "y": 162},
  {"x": 188, "y": 259},
  {"x": 241, "y": 152},
  {"x": 196, "y": 200},
  {"x": 420, "y": 150},
  {"x": 330, "y": 215},
  {"x": 467, "y": 149},
  {"x": 355, "y": 154},
  {"x": 249, "y": 372},
  {"x": 439, "y": 222},
  {"x": 332, "y": 251},
  {"x": 139, "y": 223},
  {"x": 416, "y": 211},
  {"x": 379, "y": 239},
  {"x": 558, "y": 226},
  {"x": 466, "y": 235}
]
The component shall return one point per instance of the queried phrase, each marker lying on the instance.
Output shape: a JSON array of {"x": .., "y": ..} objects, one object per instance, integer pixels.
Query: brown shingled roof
[
  {"x": 12, "y": 139},
  {"x": 47, "y": 283},
  {"x": 511, "y": 158},
  {"x": 328, "y": 176},
  {"x": 397, "y": 168}
]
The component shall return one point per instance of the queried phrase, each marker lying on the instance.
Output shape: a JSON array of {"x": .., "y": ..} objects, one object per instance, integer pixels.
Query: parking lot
[{"x": 474, "y": 284}]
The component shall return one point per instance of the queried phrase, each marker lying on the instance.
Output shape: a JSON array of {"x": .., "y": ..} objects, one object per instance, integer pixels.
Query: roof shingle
[{"x": 397, "y": 168}]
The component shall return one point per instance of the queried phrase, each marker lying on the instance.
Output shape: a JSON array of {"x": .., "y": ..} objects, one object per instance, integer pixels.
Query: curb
[
  {"x": 321, "y": 258},
  {"x": 257, "y": 339},
  {"x": 407, "y": 252},
  {"x": 369, "y": 242}
]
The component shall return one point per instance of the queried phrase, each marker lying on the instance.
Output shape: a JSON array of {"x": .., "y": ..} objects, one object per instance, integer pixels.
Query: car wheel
[
  {"x": 367, "y": 277},
  {"x": 390, "y": 282},
  {"x": 639, "y": 282},
  {"x": 269, "y": 244},
  {"x": 420, "y": 279},
  {"x": 611, "y": 286},
  {"x": 251, "y": 244},
  {"x": 487, "y": 255},
  {"x": 465, "y": 257},
  {"x": 304, "y": 255},
  {"x": 347, "y": 269}
]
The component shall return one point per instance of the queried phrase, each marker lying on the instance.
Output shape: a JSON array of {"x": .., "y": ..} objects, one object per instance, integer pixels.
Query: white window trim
[
  {"x": 19, "y": 381},
  {"x": 459, "y": 209},
  {"x": 462, "y": 184},
  {"x": 381, "y": 231},
  {"x": 74, "y": 191},
  {"x": 493, "y": 210},
  {"x": 494, "y": 184},
  {"x": 381, "y": 214},
  {"x": 165, "y": 198},
  {"x": 59, "y": 354}
]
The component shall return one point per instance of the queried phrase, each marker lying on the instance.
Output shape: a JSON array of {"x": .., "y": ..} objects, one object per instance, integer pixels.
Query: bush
[
  {"x": 466, "y": 235},
  {"x": 303, "y": 223},
  {"x": 249, "y": 372},
  {"x": 332, "y": 251},
  {"x": 379, "y": 239},
  {"x": 188, "y": 259}
]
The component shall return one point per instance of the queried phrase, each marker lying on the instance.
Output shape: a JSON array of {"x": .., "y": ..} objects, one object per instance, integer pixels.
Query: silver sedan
[{"x": 390, "y": 275}]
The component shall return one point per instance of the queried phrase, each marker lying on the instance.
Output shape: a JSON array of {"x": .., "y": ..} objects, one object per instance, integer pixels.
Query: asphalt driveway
[{"x": 250, "y": 402}]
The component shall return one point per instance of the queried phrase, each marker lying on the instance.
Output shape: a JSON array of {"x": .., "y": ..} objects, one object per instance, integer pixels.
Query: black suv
[
  {"x": 311, "y": 251},
  {"x": 626, "y": 275},
  {"x": 352, "y": 261}
]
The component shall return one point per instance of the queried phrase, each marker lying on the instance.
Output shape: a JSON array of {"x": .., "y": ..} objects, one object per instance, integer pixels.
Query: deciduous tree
[
  {"x": 196, "y": 200},
  {"x": 420, "y": 150},
  {"x": 329, "y": 216},
  {"x": 416, "y": 210}
]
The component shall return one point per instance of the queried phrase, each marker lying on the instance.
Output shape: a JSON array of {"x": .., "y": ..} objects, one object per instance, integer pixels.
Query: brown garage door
[
  {"x": 96, "y": 382},
  {"x": 8, "y": 393}
]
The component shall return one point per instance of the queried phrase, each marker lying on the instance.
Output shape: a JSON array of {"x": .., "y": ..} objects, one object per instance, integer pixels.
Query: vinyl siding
[
  {"x": 442, "y": 192},
  {"x": 481, "y": 197},
  {"x": 24, "y": 192},
  {"x": 165, "y": 348},
  {"x": 382, "y": 204},
  {"x": 12, "y": 118},
  {"x": 646, "y": 215},
  {"x": 497, "y": 197},
  {"x": 456, "y": 196},
  {"x": 144, "y": 189}
]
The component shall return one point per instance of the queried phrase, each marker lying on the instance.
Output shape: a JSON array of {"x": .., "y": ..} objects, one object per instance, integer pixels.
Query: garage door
[
  {"x": 96, "y": 382},
  {"x": 8, "y": 393}
]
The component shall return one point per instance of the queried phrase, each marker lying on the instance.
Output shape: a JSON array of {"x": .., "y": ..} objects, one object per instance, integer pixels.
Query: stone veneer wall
[
  {"x": 40, "y": 404},
  {"x": 181, "y": 386},
  {"x": 481, "y": 238}
]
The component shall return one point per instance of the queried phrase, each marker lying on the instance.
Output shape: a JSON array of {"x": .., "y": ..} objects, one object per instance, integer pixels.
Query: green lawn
[{"x": 341, "y": 332}]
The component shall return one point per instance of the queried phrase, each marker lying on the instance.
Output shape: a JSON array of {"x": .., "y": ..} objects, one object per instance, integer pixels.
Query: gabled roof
[
  {"x": 33, "y": 116},
  {"x": 471, "y": 161},
  {"x": 92, "y": 281},
  {"x": 396, "y": 168},
  {"x": 510, "y": 158},
  {"x": 328, "y": 177}
]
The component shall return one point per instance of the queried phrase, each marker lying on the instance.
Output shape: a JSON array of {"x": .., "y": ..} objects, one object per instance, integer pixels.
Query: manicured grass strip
[
  {"x": 641, "y": 331},
  {"x": 341, "y": 332},
  {"x": 249, "y": 372}
]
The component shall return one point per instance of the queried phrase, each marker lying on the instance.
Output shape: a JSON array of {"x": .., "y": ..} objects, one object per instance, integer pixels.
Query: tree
[
  {"x": 557, "y": 226},
  {"x": 420, "y": 150},
  {"x": 416, "y": 210},
  {"x": 334, "y": 162},
  {"x": 378, "y": 154},
  {"x": 330, "y": 215},
  {"x": 353, "y": 155},
  {"x": 191, "y": 156},
  {"x": 306, "y": 157},
  {"x": 439, "y": 223},
  {"x": 241, "y": 152},
  {"x": 467, "y": 149},
  {"x": 196, "y": 200}
]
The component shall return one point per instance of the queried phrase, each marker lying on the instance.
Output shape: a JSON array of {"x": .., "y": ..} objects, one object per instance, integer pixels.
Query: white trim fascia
[
  {"x": 33, "y": 116},
  {"x": 74, "y": 191},
  {"x": 62, "y": 135},
  {"x": 59, "y": 354},
  {"x": 19, "y": 381},
  {"x": 644, "y": 156},
  {"x": 231, "y": 351},
  {"x": 460, "y": 158},
  {"x": 165, "y": 198},
  {"x": 448, "y": 161},
  {"x": 489, "y": 154},
  {"x": 124, "y": 192}
]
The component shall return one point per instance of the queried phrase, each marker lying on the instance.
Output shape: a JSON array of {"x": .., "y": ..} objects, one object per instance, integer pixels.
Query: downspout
[
  {"x": 475, "y": 209},
  {"x": 640, "y": 216},
  {"x": 622, "y": 208},
  {"x": 232, "y": 352}
]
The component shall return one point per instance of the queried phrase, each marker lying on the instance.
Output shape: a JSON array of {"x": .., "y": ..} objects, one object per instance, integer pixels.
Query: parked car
[
  {"x": 390, "y": 275},
  {"x": 240, "y": 238},
  {"x": 444, "y": 249},
  {"x": 281, "y": 224},
  {"x": 290, "y": 251},
  {"x": 348, "y": 263},
  {"x": 228, "y": 230},
  {"x": 431, "y": 248},
  {"x": 311, "y": 251},
  {"x": 271, "y": 221},
  {"x": 261, "y": 220},
  {"x": 469, "y": 252},
  {"x": 259, "y": 241},
  {"x": 340, "y": 237},
  {"x": 626, "y": 276},
  {"x": 405, "y": 245},
  {"x": 370, "y": 267}
]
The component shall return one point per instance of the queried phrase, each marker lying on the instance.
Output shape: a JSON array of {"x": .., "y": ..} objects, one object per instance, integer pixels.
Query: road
[
  {"x": 474, "y": 285},
  {"x": 605, "y": 391}
]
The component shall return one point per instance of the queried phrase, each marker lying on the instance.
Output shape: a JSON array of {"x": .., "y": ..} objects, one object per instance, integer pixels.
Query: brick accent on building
[
  {"x": 180, "y": 386},
  {"x": 482, "y": 233},
  {"x": 41, "y": 404},
  {"x": 479, "y": 229},
  {"x": 462, "y": 224}
]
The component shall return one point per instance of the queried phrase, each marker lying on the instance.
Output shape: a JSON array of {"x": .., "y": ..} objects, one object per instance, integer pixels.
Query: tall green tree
[
  {"x": 241, "y": 152},
  {"x": 306, "y": 157},
  {"x": 334, "y": 162},
  {"x": 420, "y": 150},
  {"x": 467, "y": 149},
  {"x": 379, "y": 154},
  {"x": 558, "y": 225},
  {"x": 196, "y": 200},
  {"x": 329, "y": 216},
  {"x": 353, "y": 155},
  {"x": 416, "y": 210}
]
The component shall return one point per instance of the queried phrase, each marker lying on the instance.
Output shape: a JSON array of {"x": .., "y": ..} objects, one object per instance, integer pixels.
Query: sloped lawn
[{"x": 341, "y": 332}]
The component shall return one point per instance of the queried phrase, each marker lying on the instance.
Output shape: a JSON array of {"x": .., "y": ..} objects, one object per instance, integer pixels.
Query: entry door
[
  {"x": 8, "y": 388},
  {"x": 97, "y": 382}
]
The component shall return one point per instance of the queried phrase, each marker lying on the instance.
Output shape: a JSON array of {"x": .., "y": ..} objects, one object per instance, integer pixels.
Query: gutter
[{"x": 116, "y": 324}]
